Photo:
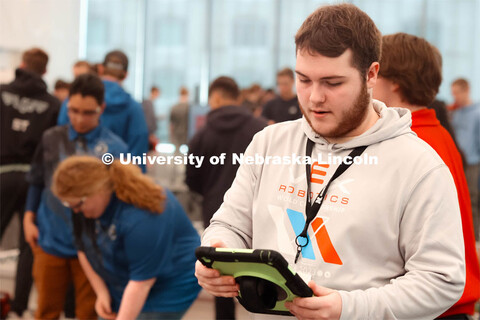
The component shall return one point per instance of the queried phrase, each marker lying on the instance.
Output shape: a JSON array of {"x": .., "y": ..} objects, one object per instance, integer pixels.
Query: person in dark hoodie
[
  {"x": 26, "y": 111},
  {"x": 229, "y": 129},
  {"x": 123, "y": 115}
]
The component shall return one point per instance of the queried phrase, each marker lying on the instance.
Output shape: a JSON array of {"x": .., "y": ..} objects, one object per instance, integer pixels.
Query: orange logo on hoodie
[{"x": 317, "y": 172}]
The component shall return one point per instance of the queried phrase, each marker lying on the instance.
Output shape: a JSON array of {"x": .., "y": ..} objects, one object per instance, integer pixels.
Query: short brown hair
[
  {"x": 286, "y": 72},
  {"x": 183, "y": 91},
  {"x": 35, "y": 60},
  {"x": 227, "y": 86},
  {"x": 82, "y": 63},
  {"x": 61, "y": 84},
  {"x": 414, "y": 65},
  {"x": 333, "y": 29},
  {"x": 116, "y": 64},
  {"x": 462, "y": 83}
]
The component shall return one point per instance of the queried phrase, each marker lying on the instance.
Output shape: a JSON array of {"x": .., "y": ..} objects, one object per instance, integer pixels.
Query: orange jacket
[{"x": 428, "y": 128}]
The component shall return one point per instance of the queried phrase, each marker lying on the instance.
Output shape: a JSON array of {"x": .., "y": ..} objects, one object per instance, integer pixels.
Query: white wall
[{"x": 52, "y": 25}]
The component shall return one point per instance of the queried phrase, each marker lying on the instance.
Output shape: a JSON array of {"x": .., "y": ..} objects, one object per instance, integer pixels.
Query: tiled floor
[{"x": 202, "y": 309}]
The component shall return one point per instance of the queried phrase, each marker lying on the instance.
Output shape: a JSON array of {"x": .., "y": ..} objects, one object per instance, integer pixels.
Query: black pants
[
  {"x": 14, "y": 188},
  {"x": 13, "y": 193},
  {"x": 224, "y": 308},
  {"x": 23, "y": 278}
]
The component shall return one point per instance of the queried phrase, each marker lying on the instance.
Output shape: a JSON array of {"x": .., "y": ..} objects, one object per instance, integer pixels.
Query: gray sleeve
[
  {"x": 150, "y": 116},
  {"x": 432, "y": 244},
  {"x": 476, "y": 133},
  {"x": 232, "y": 223}
]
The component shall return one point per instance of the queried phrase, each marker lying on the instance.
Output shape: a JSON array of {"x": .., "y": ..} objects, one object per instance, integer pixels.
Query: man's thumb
[{"x": 319, "y": 290}]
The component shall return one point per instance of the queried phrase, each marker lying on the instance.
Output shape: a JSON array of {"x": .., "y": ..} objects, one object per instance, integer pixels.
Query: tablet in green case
[{"x": 266, "y": 281}]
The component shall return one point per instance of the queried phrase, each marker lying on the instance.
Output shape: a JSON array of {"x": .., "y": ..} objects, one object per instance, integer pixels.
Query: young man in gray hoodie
[{"x": 386, "y": 240}]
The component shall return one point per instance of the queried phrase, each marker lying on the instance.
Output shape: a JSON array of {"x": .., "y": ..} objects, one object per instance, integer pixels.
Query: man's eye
[
  {"x": 335, "y": 84},
  {"x": 304, "y": 80}
]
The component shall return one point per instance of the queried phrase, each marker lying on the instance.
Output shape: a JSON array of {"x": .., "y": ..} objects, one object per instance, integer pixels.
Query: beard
[{"x": 350, "y": 119}]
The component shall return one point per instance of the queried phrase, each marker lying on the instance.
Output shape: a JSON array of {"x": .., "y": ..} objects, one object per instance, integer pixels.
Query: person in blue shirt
[
  {"x": 123, "y": 115},
  {"x": 47, "y": 223},
  {"x": 136, "y": 244},
  {"x": 466, "y": 122}
]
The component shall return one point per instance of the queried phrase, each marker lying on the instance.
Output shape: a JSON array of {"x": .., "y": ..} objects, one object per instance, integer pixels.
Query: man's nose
[{"x": 317, "y": 95}]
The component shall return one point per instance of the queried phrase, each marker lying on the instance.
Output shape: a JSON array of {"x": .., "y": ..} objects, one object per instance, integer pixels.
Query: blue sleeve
[
  {"x": 62, "y": 115},
  {"x": 137, "y": 135},
  {"x": 33, "y": 197}
]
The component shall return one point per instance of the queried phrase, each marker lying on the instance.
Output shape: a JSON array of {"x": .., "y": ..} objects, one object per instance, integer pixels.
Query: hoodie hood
[
  {"x": 29, "y": 83},
  {"x": 392, "y": 123},
  {"x": 116, "y": 98},
  {"x": 228, "y": 118}
]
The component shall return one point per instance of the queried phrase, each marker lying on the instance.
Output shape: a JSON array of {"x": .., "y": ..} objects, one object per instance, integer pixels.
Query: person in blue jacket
[
  {"x": 47, "y": 223},
  {"x": 136, "y": 244},
  {"x": 123, "y": 115}
]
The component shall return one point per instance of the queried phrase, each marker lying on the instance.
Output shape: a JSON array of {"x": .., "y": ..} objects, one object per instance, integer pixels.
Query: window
[{"x": 173, "y": 43}]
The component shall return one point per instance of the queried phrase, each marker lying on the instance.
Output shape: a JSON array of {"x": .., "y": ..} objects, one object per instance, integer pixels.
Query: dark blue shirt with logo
[
  {"x": 127, "y": 243},
  {"x": 54, "y": 220}
]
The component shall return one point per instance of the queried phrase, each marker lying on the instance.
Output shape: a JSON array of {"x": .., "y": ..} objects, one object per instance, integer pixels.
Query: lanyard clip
[
  {"x": 300, "y": 246},
  {"x": 299, "y": 249}
]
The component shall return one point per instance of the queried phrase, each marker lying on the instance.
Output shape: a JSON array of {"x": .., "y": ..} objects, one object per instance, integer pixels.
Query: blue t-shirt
[{"x": 135, "y": 244}]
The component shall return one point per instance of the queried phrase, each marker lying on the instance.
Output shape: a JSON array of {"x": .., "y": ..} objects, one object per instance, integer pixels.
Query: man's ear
[
  {"x": 124, "y": 76},
  {"x": 214, "y": 99},
  {"x": 102, "y": 108},
  {"x": 395, "y": 87},
  {"x": 100, "y": 69},
  {"x": 372, "y": 74}
]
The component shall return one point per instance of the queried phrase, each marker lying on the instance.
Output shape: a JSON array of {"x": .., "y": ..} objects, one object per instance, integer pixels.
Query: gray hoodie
[{"x": 388, "y": 235}]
